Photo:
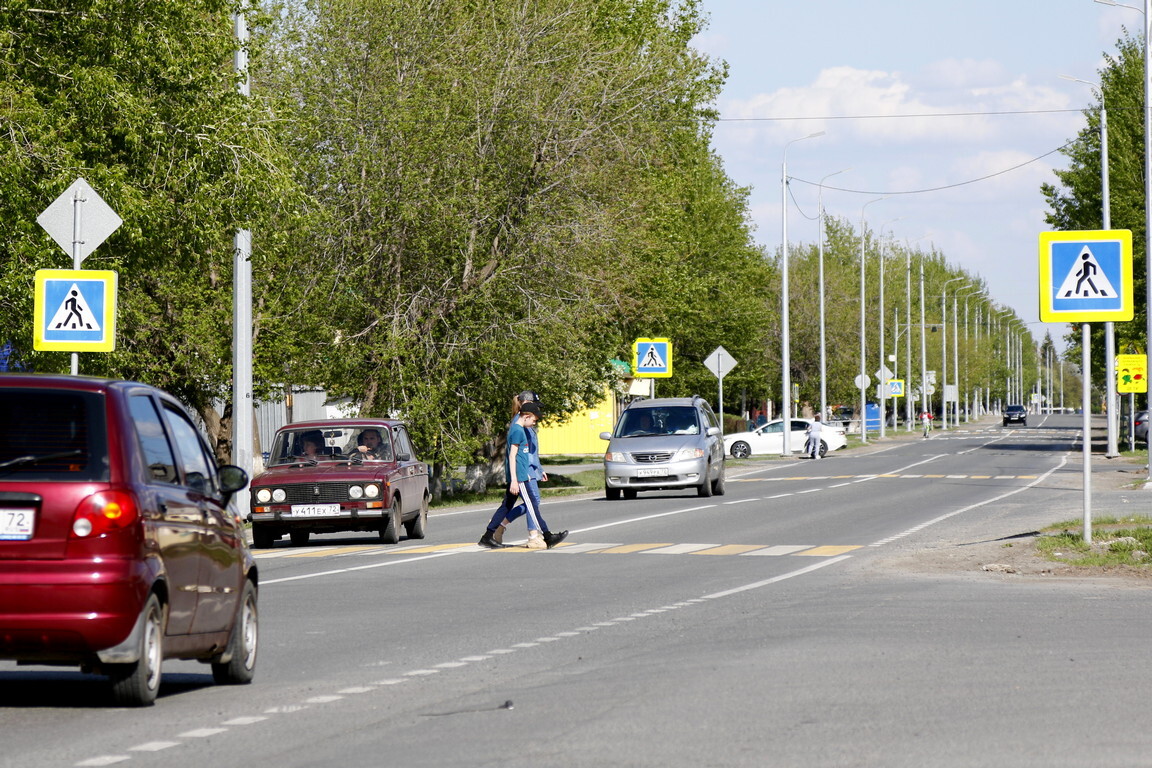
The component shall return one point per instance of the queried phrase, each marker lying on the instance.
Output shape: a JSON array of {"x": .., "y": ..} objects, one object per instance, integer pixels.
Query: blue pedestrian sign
[
  {"x": 652, "y": 358},
  {"x": 74, "y": 310},
  {"x": 1086, "y": 276}
]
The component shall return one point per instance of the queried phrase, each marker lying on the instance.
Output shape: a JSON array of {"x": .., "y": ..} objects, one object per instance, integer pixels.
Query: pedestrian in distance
[
  {"x": 814, "y": 429},
  {"x": 527, "y": 489}
]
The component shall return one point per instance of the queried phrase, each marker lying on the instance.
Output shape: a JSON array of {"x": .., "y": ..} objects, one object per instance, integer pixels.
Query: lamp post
[
  {"x": 863, "y": 378},
  {"x": 1109, "y": 327},
  {"x": 1147, "y": 176},
  {"x": 883, "y": 384},
  {"x": 944, "y": 351},
  {"x": 785, "y": 343},
  {"x": 967, "y": 354},
  {"x": 823, "y": 346}
]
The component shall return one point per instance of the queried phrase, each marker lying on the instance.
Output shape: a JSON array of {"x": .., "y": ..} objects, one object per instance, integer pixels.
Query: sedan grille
[
  {"x": 652, "y": 458},
  {"x": 314, "y": 493}
]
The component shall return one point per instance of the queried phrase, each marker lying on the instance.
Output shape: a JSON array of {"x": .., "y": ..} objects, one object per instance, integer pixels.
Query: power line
[{"x": 905, "y": 116}]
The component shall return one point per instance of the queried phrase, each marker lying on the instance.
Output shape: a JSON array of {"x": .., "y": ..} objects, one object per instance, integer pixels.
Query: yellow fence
[{"x": 581, "y": 432}]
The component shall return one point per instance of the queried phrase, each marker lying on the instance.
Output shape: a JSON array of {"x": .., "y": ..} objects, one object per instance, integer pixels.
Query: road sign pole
[
  {"x": 78, "y": 200},
  {"x": 1086, "y": 426}
]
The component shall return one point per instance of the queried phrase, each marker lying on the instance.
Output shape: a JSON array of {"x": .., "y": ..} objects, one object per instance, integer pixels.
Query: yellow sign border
[
  {"x": 107, "y": 321},
  {"x": 1127, "y": 307},
  {"x": 636, "y": 359}
]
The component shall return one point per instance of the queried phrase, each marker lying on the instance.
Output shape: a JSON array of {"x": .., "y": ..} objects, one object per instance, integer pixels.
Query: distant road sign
[
  {"x": 96, "y": 220},
  {"x": 1131, "y": 374},
  {"x": 896, "y": 388},
  {"x": 652, "y": 358},
  {"x": 1086, "y": 276},
  {"x": 74, "y": 310},
  {"x": 720, "y": 362}
]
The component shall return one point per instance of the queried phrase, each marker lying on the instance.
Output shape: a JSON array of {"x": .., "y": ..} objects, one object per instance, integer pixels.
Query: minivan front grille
[{"x": 652, "y": 458}]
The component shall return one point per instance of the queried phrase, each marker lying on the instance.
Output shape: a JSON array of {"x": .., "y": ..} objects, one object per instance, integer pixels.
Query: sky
[{"x": 962, "y": 98}]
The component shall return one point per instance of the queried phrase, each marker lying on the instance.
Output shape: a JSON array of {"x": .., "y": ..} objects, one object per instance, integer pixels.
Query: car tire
[
  {"x": 704, "y": 490},
  {"x": 390, "y": 527},
  {"x": 262, "y": 537},
  {"x": 1005, "y": 422},
  {"x": 138, "y": 683},
  {"x": 740, "y": 450},
  {"x": 611, "y": 494},
  {"x": 1024, "y": 423},
  {"x": 241, "y": 665},
  {"x": 417, "y": 527},
  {"x": 300, "y": 537},
  {"x": 718, "y": 484},
  {"x": 629, "y": 494},
  {"x": 823, "y": 449}
]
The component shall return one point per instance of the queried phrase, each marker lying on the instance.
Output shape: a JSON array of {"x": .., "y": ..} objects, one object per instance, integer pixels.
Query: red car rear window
[{"x": 52, "y": 435}]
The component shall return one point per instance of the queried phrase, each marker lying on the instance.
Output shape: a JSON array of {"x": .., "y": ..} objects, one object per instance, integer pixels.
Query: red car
[
  {"x": 117, "y": 546},
  {"x": 340, "y": 475}
]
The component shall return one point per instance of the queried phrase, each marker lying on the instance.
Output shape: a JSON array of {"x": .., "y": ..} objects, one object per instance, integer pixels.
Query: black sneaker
[
  {"x": 488, "y": 540},
  {"x": 552, "y": 539}
]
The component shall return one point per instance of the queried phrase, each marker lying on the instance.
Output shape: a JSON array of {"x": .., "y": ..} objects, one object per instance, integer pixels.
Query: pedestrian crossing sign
[
  {"x": 74, "y": 310},
  {"x": 652, "y": 358},
  {"x": 1086, "y": 276}
]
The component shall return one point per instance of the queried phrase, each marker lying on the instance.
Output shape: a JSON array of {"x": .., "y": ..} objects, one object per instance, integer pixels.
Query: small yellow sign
[{"x": 1131, "y": 374}]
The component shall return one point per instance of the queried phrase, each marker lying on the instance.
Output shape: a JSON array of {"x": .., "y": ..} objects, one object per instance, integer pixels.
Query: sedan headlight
[
  {"x": 684, "y": 454},
  {"x": 278, "y": 495},
  {"x": 355, "y": 492},
  {"x": 263, "y": 495},
  {"x": 371, "y": 491}
]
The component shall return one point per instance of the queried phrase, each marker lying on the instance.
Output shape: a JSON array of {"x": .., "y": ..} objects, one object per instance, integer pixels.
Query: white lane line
[
  {"x": 201, "y": 733},
  {"x": 356, "y": 689},
  {"x": 475, "y": 658},
  {"x": 421, "y": 672},
  {"x": 501, "y": 651},
  {"x": 391, "y": 681},
  {"x": 105, "y": 760},
  {"x": 452, "y": 664},
  {"x": 780, "y": 496},
  {"x": 776, "y": 551},
  {"x": 245, "y": 720},
  {"x": 739, "y": 501},
  {"x": 153, "y": 746},
  {"x": 327, "y": 699},
  {"x": 678, "y": 549},
  {"x": 941, "y": 518},
  {"x": 776, "y": 579}
]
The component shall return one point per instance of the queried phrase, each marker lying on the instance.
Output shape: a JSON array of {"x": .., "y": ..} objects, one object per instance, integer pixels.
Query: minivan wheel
[
  {"x": 705, "y": 488},
  {"x": 629, "y": 494},
  {"x": 241, "y": 666},
  {"x": 136, "y": 684},
  {"x": 612, "y": 494},
  {"x": 741, "y": 450}
]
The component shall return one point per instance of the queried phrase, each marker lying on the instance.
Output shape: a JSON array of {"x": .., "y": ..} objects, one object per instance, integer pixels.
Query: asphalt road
[{"x": 760, "y": 628}]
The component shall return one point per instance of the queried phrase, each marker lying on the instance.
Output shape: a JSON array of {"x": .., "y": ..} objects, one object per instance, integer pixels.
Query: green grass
[{"x": 1064, "y": 542}]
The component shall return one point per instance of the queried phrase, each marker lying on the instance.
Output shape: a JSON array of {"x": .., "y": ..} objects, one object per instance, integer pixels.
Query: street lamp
[
  {"x": 956, "y": 346},
  {"x": 1106, "y": 222},
  {"x": 944, "y": 351},
  {"x": 785, "y": 344},
  {"x": 883, "y": 384},
  {"x": 823, "y": 346},
  {"x": 1147, "y": 184},
  {"x": 862, "y": 380}
]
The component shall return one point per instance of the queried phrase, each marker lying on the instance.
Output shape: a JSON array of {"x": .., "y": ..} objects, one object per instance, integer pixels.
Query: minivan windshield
[
  {"x": 52, "y": 435},
  {"x": 670, "y": 420}
]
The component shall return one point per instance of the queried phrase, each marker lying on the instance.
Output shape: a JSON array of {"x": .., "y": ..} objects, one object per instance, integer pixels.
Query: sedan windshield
[{"x": 310, "y": 446}]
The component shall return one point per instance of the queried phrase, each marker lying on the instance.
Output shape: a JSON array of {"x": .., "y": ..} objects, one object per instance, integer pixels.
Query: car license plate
[
  {"x": 652, "y": 472},
  {"x": 315, "y": 510},
  {"x": 16, "y": 524}
]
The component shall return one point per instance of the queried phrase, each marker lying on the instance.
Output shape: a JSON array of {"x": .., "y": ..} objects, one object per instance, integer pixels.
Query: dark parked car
[
  {"x": 1016, "y": 414},
  {"x": 1140, "y": 426},
  {"x": 117, "y": 546},
  {"x": 340, "y": 475}
]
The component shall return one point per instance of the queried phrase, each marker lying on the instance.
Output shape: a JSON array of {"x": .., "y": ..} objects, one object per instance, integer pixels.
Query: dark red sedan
[
  {"x": 117, "y": 546},
  {"x": 340, "y": 475}
]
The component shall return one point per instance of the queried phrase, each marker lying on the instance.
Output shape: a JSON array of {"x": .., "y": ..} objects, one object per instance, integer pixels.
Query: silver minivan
[{"x": 664, "y": 443}]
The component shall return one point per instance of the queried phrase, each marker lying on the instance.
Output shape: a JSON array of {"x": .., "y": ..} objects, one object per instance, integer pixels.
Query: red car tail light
[{"x": 102, "y": 513}]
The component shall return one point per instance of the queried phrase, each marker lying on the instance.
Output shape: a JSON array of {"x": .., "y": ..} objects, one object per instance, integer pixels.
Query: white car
[{"x": 769, "y": 439}]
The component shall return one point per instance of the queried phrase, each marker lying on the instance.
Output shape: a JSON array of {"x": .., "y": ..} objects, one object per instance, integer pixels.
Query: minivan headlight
[
  {"x": 684, "y": 454},
  {"x": 617, "y": 456}
]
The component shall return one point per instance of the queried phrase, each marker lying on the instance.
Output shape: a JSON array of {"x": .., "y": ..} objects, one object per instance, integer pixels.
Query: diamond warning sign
[
  {"x": 75, "y": 310},
  {"x": 1086, "y": 276}
]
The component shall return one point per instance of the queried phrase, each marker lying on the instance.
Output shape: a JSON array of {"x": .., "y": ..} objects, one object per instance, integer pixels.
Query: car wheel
[
  {"x": 241, "y": 665},
  {"x": 629, "y": 493},
  {"x": 823, "y": 449},
  {"x": 136, "y": 684},
  {"x": 612, "y": 494},
  {"x": 718, "y": 484},
  {"x": 262, "y": 537},
  {"x": 390, "y": 527},
  {"x": 1005, "y": 422},
  {"x": 705, "y": 488},
  {"x": 741, "y": 450},
  {"x": 1024, "y": 423},
  {"x": 299, "y": 537},
  {"x": 416, "y": 528}
]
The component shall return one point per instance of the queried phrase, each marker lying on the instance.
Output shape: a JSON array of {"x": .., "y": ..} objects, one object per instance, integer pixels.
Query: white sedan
[{"x": 769, "y": 439}]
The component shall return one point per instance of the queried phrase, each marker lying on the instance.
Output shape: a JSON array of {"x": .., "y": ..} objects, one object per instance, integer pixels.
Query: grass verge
[{"x": 1123, "y": 541}]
